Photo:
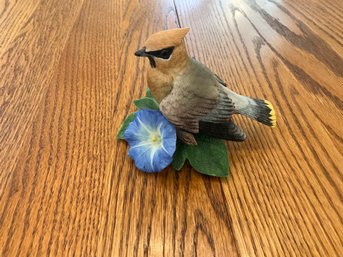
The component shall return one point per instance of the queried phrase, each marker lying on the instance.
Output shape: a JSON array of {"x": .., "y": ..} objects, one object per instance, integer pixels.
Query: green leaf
[
  {"x": 208, "y": 157},
  {"x": 148, "y": 93},
  {"x": 125, "y": 124},
  {"x": 146, "y": 103},
  {"x": 180, "y": 156}
]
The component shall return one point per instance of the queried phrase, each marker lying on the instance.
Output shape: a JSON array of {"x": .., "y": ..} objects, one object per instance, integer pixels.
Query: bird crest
[{"x": 166, "y": 38}]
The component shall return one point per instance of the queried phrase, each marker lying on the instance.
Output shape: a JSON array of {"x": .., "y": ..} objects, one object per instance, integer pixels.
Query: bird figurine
[{"x": 191, "y": 96}]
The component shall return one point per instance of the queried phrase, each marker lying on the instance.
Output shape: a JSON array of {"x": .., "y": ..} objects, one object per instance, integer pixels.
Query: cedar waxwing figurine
[{"x": 192, "y": 97}]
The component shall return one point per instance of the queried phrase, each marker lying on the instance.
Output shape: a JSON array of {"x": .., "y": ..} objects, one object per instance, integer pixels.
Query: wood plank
[
  {"x": 32, "y": 37},
  {"x": 285, "y": 192},
  {"x": 315, "y": 15}
]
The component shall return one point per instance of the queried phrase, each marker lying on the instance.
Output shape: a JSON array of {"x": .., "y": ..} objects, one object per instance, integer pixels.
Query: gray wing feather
[
  {"x": 185, "y": 110},
  {"x": 195, "y": 97},
  {"x": 224, "y": 108}
]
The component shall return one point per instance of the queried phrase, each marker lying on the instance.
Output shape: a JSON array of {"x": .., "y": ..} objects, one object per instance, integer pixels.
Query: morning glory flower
[{"x": 152, "y": 141}]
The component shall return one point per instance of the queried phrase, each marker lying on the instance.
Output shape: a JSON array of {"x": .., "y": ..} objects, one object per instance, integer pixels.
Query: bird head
[{"x": 165, "y": 49}]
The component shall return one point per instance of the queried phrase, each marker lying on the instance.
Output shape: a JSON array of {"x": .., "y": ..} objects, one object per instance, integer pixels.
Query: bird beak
[{"x": 141, "y": 53}]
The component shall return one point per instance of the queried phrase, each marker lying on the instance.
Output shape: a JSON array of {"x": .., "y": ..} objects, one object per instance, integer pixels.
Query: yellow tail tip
[{"x": 272, "y": 115}]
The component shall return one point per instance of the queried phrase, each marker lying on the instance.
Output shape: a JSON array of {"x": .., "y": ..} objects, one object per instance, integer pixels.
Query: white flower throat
[{"x": 155, "y": 138}]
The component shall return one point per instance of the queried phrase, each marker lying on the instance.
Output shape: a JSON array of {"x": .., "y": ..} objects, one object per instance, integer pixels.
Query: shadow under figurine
[{"x": 191, "y": 96}]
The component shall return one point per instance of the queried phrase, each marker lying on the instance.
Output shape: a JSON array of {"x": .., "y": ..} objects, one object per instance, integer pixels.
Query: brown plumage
[
  {"x": 193, "y": 98},
  {"x": 166, "y": 38}
]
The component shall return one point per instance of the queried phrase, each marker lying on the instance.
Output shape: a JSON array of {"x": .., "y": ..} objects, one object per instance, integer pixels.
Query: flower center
[{"x": 156, "y": 138}]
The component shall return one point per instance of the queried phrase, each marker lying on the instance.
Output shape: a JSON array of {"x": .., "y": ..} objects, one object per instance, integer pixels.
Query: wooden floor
[{"x": 68, "y": 76}]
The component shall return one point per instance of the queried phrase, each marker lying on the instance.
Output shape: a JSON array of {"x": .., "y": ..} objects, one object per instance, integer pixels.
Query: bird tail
[{"x": 257, "y": 109}]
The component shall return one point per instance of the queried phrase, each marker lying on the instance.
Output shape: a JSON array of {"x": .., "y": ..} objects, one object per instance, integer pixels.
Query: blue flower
[{"x": 152, "y": 141}]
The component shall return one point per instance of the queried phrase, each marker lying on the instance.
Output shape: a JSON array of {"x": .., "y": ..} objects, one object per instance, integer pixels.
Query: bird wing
[
  {"x": 185, "y": 108},
  {"x": 194, "y": 98}
]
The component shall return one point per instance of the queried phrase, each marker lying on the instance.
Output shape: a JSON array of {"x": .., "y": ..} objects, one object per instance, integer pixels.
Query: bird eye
[{"x": 165, "y": 53}]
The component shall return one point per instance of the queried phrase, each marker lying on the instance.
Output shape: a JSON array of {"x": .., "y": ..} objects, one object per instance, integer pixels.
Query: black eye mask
[
  {"x": 152, "y": 62},
  {"x": 163, "y": 53}
]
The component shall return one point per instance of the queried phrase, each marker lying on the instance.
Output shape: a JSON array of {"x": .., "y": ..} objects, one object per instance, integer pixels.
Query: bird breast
[{"x": 160, "y": 84}]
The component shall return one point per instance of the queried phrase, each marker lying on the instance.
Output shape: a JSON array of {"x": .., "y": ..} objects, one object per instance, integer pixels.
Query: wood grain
[{"x": 67, "y": 80}]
